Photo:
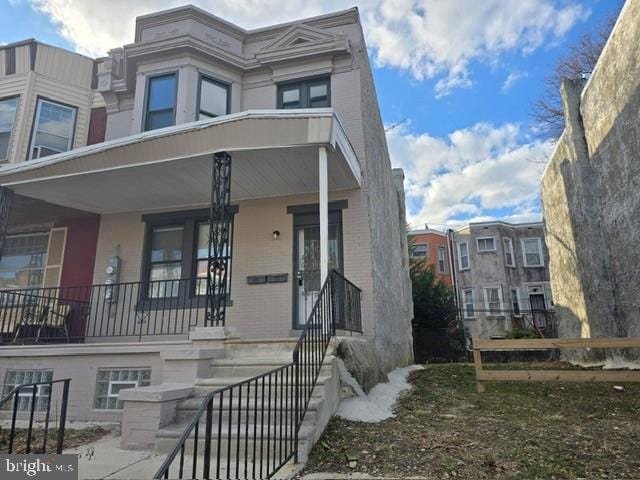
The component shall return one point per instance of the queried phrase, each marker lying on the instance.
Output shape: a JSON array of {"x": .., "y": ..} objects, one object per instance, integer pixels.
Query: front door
[
  {"x": 307, "y": 262},
  {"x": 538, "y": 309}
]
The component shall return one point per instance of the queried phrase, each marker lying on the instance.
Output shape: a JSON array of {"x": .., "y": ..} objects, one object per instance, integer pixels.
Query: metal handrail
[
  {"x": 297, "y": 378},
  {"x": 14, "y": 394}
]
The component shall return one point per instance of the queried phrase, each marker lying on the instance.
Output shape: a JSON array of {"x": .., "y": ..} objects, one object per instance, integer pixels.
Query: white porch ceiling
[{"x": 168, "y": 169}]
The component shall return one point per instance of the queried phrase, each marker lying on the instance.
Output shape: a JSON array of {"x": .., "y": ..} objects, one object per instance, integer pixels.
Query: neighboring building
[
  {"x": 432, "y": 247},
  {"x": 48, "y": 102},
  {"x": 502, "y": 277},
  {"x": 306, "y": 187},
  {"x": 590, "y": 194}
]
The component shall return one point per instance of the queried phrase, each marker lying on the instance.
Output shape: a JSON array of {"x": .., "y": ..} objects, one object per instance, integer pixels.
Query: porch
[{"x": 156, "y": 264}]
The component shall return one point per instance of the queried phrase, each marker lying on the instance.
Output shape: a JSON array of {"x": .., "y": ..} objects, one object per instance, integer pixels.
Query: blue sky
[{"x": 456, "y": 78}]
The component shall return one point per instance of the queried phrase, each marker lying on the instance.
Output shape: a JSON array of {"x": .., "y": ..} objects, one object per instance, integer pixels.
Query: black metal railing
[
  {"x": 34, "y": 402},
  {"x": 130, "y": 309},
  {"x": 540, "y": 322},
  {"x": 252, "y": 427},
  {"x": 348, "y": 311}
]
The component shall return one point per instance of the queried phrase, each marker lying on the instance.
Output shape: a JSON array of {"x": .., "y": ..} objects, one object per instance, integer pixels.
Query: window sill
[{"x": 533, "y": 266}]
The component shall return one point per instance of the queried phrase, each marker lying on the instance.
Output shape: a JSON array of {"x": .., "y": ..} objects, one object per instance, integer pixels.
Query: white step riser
[
  {"x": 202, "y": 390},
  {"x": 248, "y": 371}
]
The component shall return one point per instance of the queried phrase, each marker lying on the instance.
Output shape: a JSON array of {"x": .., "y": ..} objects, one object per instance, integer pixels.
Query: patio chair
[{"x": 43, "y": 316}]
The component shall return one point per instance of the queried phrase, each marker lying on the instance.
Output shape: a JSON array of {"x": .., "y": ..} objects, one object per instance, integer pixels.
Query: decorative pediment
[{"x": 301, "y": 40}]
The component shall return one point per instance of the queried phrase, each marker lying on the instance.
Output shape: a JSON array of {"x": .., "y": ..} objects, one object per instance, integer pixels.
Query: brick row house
[{"x": 181, "y": 202}]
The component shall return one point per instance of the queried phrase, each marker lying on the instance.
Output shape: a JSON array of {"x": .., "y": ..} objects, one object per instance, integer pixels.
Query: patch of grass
[{"x": 515, "y": 430}]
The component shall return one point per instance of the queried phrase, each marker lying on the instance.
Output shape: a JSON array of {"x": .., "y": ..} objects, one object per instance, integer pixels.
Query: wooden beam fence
[{"x": 618, "y": 376}]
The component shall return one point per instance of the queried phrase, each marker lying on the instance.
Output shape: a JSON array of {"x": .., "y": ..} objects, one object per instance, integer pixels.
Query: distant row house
[{"x": 499, "y": 271}]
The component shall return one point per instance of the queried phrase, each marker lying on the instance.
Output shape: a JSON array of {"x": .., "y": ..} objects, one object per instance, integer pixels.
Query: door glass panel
[{"x": 308, "y": 266}]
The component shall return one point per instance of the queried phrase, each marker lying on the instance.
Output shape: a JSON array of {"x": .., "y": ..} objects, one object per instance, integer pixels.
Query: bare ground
[
  {"x": 444, "y": 429},
  {"x": 72, "y": 438}
]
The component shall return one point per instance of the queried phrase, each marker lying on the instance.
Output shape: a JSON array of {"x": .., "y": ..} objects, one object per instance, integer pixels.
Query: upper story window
[
  {"x": 442, "y": 260},
  {"x": 213, "y": 99},
  {"x": 463, "y": 256},
  {"x": 52, "y": 129},
  {"x": 467, "y": 303},
  {"x": 532, "y": 252},
  {"x": 419, "y": 250},
  {"x": 305, "y": 94},
  {"x": 508, "y": 252},
  {"x": 160, "y": 110},
  {"x": 8, "y": 108},
  {"x": 487, "y": 244}
]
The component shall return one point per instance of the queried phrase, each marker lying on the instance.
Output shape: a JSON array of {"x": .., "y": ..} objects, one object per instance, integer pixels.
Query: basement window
[
  {"x": 13, "y": 378},
  {"x": 109, "y": 383}
]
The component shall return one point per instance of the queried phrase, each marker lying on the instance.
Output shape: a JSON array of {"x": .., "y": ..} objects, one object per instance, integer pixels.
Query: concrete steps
[{"x": 270, "y": 417}]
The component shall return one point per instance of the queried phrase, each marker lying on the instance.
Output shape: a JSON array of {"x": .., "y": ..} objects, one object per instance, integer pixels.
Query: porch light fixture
[{"x": 276, "y": 234}]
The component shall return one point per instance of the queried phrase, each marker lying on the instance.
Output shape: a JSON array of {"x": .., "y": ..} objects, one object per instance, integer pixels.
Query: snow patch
[{"x": 378, "y": 404}]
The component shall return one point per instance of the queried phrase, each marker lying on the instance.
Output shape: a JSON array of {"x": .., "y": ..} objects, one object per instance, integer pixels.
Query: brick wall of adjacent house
[{"x": 590, "y": 193}]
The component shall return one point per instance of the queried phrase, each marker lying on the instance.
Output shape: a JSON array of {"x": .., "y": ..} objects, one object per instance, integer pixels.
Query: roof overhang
[{"x": 275, "y": 153}]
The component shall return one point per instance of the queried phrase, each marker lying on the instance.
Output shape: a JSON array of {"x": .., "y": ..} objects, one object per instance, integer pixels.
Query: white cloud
[
  {"x": 469, "y": 173},
  {"x": 429, "y": 38},
  {"x": 513, "y": 78}
]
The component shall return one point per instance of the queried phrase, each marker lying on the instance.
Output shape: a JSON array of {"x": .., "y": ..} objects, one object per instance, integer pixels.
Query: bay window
[
  {"x": 52, "y": 129},
  {"x": 213, "y": 98}
]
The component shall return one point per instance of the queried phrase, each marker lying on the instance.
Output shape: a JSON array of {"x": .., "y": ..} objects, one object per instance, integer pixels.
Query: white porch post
[{"x": 324, "y": 213}]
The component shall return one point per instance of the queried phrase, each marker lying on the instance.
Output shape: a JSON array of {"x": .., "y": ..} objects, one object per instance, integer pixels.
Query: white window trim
[
  {"x": 464, "y": 304},
  {"x": 444, "y": 259},
  {"x": 524, "y": 252},
  {"x": 485, "y": 238},
  {"x": 486, "y": 299},
  {"x": 11, "y": 131},
  {"x": 468, "y": 267},
  {"x": 36, "y": 124},
  {"x": 508, "y": 241},
  {"x": 517, "y": 290},
  {"x": 426, "y": 250}
]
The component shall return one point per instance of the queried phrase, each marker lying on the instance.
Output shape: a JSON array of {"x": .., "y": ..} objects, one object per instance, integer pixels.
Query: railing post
[
  {"x": 14, "y": 417},
  {"x": 296, "y": 363},
  {"x": 219, "y": 239},
  {"x": 6, "y": 200},
  {"x": 207, "y": 440},
  {"x": 63, "y": 416}
]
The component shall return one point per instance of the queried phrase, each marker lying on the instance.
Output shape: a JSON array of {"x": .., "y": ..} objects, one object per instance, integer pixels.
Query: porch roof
[{"x": 274, "y": 153}]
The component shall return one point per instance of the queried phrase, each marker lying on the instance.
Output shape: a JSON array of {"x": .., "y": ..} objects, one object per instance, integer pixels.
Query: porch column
[
  {"x": 324, "y": 213},
  {"x": 6, "y": 198},
  {"x": 219, "y": 230}
]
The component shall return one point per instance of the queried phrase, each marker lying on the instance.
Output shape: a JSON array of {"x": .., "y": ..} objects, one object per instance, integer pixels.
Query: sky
[{"x": 455, "y": 81}]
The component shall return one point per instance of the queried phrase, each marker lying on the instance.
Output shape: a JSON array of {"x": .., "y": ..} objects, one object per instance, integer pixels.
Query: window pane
[
  {"x": 51, "y": 142},
  {"x": 213, "y": 98},
  {"x": 203, "y": 240},
  {"x": 316, "y": 91},
  {"x": 55, "y": 119},
  {"x": 53, "y": 129},
  {"x": 162, "y": 92},
  {"x": 291, "y": 95},
  {"x": 160, "y": 119},
  {"x": 159, "y": 286},
  {"x": 166, "y": 244},
  {"x": 23, "y": 261}
]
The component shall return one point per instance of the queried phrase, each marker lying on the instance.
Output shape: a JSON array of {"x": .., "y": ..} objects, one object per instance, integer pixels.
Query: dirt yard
[
  {"x": 444, "y": 429},
  {"x": 72, "y": 438}
]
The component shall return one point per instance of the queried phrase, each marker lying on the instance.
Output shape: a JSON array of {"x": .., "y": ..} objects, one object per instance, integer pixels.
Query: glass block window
[
  {"x": 13, "y": 378},
  {"x": 109, "y": 382}
]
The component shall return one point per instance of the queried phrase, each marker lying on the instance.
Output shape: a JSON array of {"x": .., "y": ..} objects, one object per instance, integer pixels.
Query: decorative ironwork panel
[
  {"x": 6, "y": 198},
  {"x": 219, "y": 238}
]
